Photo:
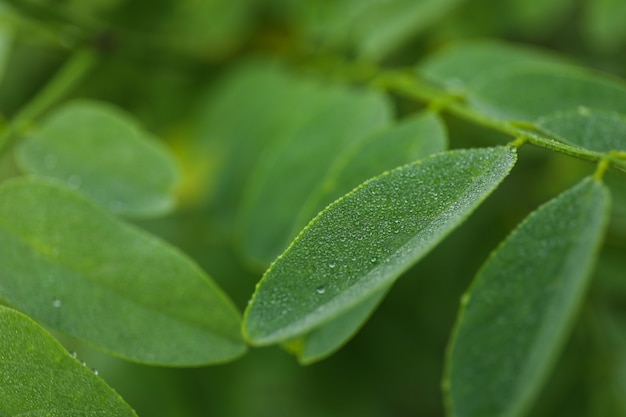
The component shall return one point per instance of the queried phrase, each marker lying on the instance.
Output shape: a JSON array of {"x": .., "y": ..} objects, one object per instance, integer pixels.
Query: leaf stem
[
  {"x": 62, "y": 82},
  {"x": 602, "y": 167}
]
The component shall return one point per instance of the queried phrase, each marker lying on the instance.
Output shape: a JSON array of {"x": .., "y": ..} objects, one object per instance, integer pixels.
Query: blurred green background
[{"x": 166, "y": 61}]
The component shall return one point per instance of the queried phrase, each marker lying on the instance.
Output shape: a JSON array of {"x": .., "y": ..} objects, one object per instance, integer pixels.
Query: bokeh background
[{"x": 166, "y": 62}]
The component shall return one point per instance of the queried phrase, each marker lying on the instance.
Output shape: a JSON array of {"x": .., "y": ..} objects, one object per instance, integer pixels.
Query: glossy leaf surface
[
  {"x": 361, "y": 243},
  {"x": 517, "y": 313},
  {"x": 101, "y": 151},
  {"x": 39, "y": 378},
  {"x": 71, "y": 265}
]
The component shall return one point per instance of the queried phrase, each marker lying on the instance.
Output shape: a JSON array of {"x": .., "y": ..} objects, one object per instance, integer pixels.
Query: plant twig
[{"x": 62, "y": 82}]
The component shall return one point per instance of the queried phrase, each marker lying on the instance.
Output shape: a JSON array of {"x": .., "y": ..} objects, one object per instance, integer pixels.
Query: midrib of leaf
[{"x": 152, "y": 309}]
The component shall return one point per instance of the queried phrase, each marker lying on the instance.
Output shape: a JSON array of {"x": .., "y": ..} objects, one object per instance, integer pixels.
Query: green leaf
[
  {"x": 457, "y": 66},
  {"x": 519, "y": 310},
  {"x": 373, "y": 28},
  {"x": 295, "y": 167},
  {"x": 246, "y": 113},
  {"x": 73, "y": 266},
  {"x": 410, "y": 140},
  {"x": 529, "y": 92},
  {"x": 387, "y": 25},
  {"x": 102, "y": 151},
  {"x": 361, "y": 243},
  {"x": 39, "y": 377},
  {"x": 329, "y": 337},
  {"x": 596, "y": 130}
]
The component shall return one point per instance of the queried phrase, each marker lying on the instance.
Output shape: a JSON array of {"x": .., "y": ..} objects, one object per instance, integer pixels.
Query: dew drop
[
  {"x": 95, "y": 371},
  {"x": 320, "y": 290},
  {"x": 373, "y": 260},
  {"x": 73, "y": 355},
  {"x": 331, "y": 265},
  {"x": 56, "y": 303}
]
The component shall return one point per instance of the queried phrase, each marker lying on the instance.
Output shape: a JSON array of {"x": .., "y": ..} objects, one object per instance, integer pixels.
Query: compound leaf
[
  {"x": 361, "y": 243},
  {"x": 39, "y": 377},
  {"x": 73, "y": 266},
  {"x": 101, "y": 151},
  {"x": 517, "y": 313}
]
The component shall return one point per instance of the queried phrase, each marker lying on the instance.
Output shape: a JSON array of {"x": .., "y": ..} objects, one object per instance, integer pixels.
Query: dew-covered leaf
[
  {"x": 529, "y": 92},
  {"x": 71, "y": 265},
  {"x": 517, "y": 313},
  {"x": 411, "y": 139},
  {"x": 295, "y": 167},
  {"x": 38, "y": 377},
  {"x": 596, "y": 130},
  {"x": 455, "y": 67},
  {"x": 101, "y": 151},
  {"x": 361, "y": 243}
]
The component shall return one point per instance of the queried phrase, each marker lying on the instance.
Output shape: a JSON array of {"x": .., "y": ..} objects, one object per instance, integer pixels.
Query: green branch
[
  {"x": 409, "y": 85},
  {"x": 62, "y": 82}
]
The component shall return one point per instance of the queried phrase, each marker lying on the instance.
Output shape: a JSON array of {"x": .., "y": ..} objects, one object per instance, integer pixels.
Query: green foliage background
[{"x": 165, "y": 62}]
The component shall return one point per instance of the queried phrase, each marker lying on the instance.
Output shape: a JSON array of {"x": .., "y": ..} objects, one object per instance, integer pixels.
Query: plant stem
[
  {"x": 408, "y": 84},
  {"x": 62, "y": 82}
]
